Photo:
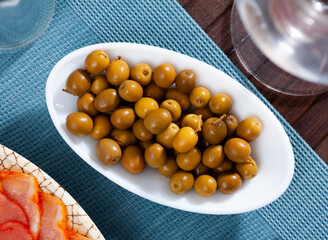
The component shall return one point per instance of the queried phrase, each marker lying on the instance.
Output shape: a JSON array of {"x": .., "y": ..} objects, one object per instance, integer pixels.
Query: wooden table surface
[{"x": 308, "y": 115}]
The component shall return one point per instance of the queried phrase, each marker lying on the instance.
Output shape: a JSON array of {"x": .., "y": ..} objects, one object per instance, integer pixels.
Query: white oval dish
[
  {"x": 77, "y": 219},
  {"x": 272, "y": 150}
]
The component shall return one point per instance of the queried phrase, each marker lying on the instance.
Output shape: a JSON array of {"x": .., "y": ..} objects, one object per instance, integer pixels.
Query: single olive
[
  {"x": 204, "y": 112},
  {"x": 220, "y": 103},
  {"x": 157, "y": 120},
  {"x": 78, "y": 82},
  {"x": 141, "y": 73},
  {"x": 213, "y": 156},
  {"x": 145, "y": 105},
  {"x": 101, "y": 127},
  {"x": 231, "y": 122},
  {"x": 247, "y": 169},
  {"x": 185, "y": 140},
  {"x": 181, "y": 98},
  {"x": 169, "y": 167},
  {"x": 79, "y": 124},
  {"x": 117, "y": 72},
  {"x": 96, "y": 62},
  {"x": 192, "y": 120},
  {"x": 225, "y": 166},
  {"x": 144, "y": 145},
  {"x": 185, "y": 81},
  {"x": 99, "y": 83},
  {"x": 107, "y": 100},
  {"x": 205, "y": 185},
  {"x": 154, "y": 91},
  {"x": 237, "y": 150},
  {"x": 123, "y": 137},
  {"x": 130, "y": 91},
  {"x": 181, "y": 182},
  {"x": 123, "y": 117},
  {"x": 199, "y": 97},
  {"x": 229, "y": 182},
  {"x": 155, "y": 155},
  {"x": 164, "y": 75},
  {"x": 201, "y": 169},
  {"x": 188, "y": 161},
  {"x": 133, "y": 160},
  {"x": 249, "y": 129},
  {"x": 85, "y": 104},
  {"x": 173, "y": 107},
  {"x": 141, "y": 132},
  {"x": 165, "y": 138},
  {"x": 108, "y": 151},
  {"x": 214, "y": 130}
]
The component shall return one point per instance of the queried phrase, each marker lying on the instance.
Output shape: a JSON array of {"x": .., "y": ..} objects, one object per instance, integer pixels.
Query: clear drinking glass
[
  {"x": 23, "y": 21},
  {"x": 290, "y": 34}
]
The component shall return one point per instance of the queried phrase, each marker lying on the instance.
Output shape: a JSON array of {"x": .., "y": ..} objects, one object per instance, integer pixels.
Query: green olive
[
  {"x": 220, "y": 103},
  {"x": 145, "y": 105},
  {"x": 107, "y": 100},
  {"x": 181, "y": 98},
  {"x": 108, "y": 151},
  {"x": 205, "y": 185},
  {"x": 141, "y": 132},
  {"x": 185, "y": 81},
  {"x": 133, "y": 160},
  {"x": 101, "y": 127},
  {"x": 85, "y": 104},
  {"x": 188, "y": 161},
  {"x": 181, "y": 182},
  {"x": 130, "y": 91},
  {"x": 155, "y": 155},
  {"x": 164, "y": 75},
  {"x": 99, "y": 83},
  {"x": 79, "y": 124},
  {"x": 157, "y": 120},
  {"x": 122, "y": 117},
  {"x": 247, "y": 169},
  {"x": 123, "y": 137},
  {"x": 192, "y": 120},
  {"x": 199, "y": 97},
  {"x": 231, "y": 122},
  {"x": 214, "y": 130},
  {"x": 96, "y": 62},
  {"x": 237, "y": 150},
  {"x": 185, "y": 140},
  {"x": 169, "y": 167},
  {"x": 249, "y": 129},
  {"x": 154, "y": 91},
  {"x": 165, "y": 138},
  {"x": 229, "y": 182},
  {"x": 78, "y": 82},
  {"x": 213, "y": 156},
  {"x": 173, "y": 107},
  {"x": 117, "y": 72},
  {"x": 141, "y": 73}
]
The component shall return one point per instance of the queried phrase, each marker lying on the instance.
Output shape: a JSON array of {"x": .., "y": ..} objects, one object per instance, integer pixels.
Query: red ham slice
[
  {"x": 23, "y": 189},
  {"x": 53, "y": 218},
  {"x": 11, "y": 211},
  {"x": 14, "y": 231},
  {"x": 75, "y": 236}
]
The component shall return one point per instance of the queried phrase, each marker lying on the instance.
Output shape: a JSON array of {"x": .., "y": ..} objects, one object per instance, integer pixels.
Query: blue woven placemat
[{"x": 25, "y": 126}]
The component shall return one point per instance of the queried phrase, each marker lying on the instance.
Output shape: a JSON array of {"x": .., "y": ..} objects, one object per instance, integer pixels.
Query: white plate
[
  {"x": 272, "y": 150},
  {"x": 77, "y": 219}
]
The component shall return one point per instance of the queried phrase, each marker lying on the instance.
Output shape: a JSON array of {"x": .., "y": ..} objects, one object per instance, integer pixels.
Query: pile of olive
[{"x": 140, "y": 118}]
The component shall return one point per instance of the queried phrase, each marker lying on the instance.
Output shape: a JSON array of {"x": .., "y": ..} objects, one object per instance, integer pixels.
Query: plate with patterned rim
[{"x": 77, "y": 219}]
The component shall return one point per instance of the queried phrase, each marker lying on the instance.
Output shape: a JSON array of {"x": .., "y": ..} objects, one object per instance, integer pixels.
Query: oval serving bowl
[
  {"x": 272, "y": 150},
  {"x": 77, "y": 219}
]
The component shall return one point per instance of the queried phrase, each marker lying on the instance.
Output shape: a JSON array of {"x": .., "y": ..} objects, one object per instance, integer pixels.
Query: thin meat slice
[
  {"x": 11, "y": 211},
  {"x": 53, "y": 218},
  {"x": 75, "y": 236},
  {"x": 23, "y": 189},
  {"x": 14, "y": 231}
]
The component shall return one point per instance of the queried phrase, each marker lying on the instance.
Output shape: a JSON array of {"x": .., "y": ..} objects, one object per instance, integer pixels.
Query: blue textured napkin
[{"x": 25, "y": 126}]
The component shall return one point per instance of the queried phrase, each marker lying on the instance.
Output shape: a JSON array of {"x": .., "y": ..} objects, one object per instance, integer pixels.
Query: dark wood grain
[{"x": 308, "y": 115}]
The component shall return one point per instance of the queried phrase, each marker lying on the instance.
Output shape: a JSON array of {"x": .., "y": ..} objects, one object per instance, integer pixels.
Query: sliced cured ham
[
  {"x": 75, "y": 236},
  {"x": 53, "y": 218},
  {"x": 11, "y": 211},
  {"x": 14, "y": 231},
  {"x": 23, "y": 189}
]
